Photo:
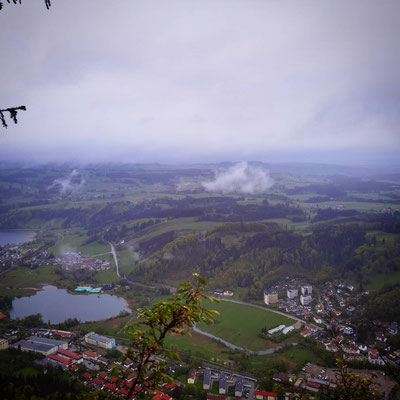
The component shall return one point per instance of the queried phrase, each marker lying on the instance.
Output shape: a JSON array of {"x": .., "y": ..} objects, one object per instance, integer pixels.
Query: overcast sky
[{"x": 202, "y": 80}]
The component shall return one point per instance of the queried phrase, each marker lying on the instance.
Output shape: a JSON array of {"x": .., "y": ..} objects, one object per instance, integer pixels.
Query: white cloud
[{"x": 240, "y": 178}]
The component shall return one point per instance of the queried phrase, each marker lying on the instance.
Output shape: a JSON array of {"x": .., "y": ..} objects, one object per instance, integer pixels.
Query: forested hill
[{"x": 252, "y": 255}]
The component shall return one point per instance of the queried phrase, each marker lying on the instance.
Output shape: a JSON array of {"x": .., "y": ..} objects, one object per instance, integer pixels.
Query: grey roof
[
  {"x": 43, "y": 340},
  {"x": 239, "y": 385},
  {"x": 207, "y": 376},
  {"x": 100, "y": 338},
  {"x": 33, "y": 346},
  {"x": 46, "y": 361},
  {"x": 222, "y": 380}
]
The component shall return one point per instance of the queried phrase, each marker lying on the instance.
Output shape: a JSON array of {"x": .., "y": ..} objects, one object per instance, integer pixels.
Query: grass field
[
  {"x": 240, "y": 324},
  {"x": 23, "y": 277},
  {"x": 177, "y": 224}
]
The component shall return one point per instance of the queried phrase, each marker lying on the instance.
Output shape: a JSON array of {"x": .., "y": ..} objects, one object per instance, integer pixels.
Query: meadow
[{"x": 240, "y": 324}]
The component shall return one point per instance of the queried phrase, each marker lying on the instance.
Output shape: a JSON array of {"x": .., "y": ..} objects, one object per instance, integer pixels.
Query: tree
[{"x": 183, "y": 310}]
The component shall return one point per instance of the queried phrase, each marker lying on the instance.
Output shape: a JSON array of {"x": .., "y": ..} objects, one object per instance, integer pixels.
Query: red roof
[
  {"x": 306, "y": 332},
  {"x": 73, "y": 367},
  {"x": 63, "y": 333},
  {"x": 161, "y": 396},
  {"x": 69, "y": 354},
  {"x": 113, "y": 379},
  {"x": 2, "y": 316},
  {"x": 103, "y": 375},
  {"x": 315, "y": 384},
  {"x": 62, "y": 360},
  {"x": 90, "y": 354},
  {"x": 86, "y": 376},
  {"x": 261, "y": 393},
  {"x": 98, "y": 382},
  {"x": 123, "y": 391},
  {"x": 110, "y": 386}
]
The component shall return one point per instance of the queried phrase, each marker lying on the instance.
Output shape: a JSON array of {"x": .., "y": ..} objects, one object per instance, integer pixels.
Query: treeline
[{"x": 248, "y": 256}]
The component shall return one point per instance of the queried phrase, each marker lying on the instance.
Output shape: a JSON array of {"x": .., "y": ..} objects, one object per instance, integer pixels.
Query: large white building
[
  {"x": 270, "y": 297},
  {"x": 305, "y": 300},
  {"x": 99, "y": 340},
  {"x": 292, "y": 293},
  {"x": 306, "y": 290}
]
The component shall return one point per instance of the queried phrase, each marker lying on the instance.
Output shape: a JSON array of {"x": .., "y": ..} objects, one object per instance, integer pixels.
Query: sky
[{"x": 184, "y": 81}]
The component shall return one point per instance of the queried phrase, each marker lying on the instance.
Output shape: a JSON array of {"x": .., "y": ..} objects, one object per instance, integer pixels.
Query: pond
[
  {"x": 16, "y": 236},
  {"x": 56, "y": 305}
]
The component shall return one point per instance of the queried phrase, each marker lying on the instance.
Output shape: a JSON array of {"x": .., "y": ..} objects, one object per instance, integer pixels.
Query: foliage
[
  {"x": 147, "y": 336},
  {"x": 352, "y": 386}
]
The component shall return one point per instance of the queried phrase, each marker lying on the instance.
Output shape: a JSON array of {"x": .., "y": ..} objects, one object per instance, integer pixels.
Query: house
[
  {"x": 393, "y": 329},
  {"x": 270, "y": 297},
  {"x": 348, "y": 331},
  {"x": 261, "y": 395},
  {"x": 192, "y": 376},
  {"x": 89, "y": 355},
  {"x": 374, "y": 357},
  {"x": 64, "y": 334},
  {"x": 306, "y": 332}
]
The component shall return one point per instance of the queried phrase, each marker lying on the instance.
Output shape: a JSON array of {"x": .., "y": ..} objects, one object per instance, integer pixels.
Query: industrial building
[
  {"x": 99, "y": 340},
  {"x": 40, "y": 345}
]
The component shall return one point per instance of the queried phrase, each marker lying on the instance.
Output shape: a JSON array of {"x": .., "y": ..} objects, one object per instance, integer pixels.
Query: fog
[{"x": 190, "y": 81}]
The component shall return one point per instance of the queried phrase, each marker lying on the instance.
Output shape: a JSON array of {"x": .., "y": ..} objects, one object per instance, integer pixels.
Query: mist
[{"x": 241, "y": 178}]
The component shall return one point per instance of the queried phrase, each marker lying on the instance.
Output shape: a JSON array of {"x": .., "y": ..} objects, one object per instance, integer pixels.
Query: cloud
[
  {"x": 195, "y": 79},
  {"x": 241, "y": 178},
  {"x": 71, "y": 183}
]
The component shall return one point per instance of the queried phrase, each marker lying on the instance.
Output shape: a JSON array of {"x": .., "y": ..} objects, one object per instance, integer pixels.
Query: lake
[
  {"x": 56, "y": 305},
  {"x": 16, "y": 236}
]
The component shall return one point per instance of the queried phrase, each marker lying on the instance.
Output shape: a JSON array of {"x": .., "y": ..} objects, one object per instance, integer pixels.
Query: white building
[
  {"x": 270, "y": 297},
  {"x": 305, "y": 300},
  {"x": 306, "y": 290},
  {"x": 292, "y": 293},
  {"x": 99, "y": 340}
]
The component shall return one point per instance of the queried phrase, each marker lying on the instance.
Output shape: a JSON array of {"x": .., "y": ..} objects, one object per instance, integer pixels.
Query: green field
[
  {"x": 22, "y": 277},
  {"x": 240, "y": 324}
]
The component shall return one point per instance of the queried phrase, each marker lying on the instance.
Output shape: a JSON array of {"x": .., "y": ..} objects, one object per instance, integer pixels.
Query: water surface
[
  {"x": 16, "y": 236},
  {"x": 56, "y": 305}
]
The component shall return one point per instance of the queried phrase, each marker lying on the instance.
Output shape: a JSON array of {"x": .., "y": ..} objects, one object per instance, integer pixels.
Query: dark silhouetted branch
[
  {"x": 13, "y": 111},
  {"x": 46, "y": 2}
]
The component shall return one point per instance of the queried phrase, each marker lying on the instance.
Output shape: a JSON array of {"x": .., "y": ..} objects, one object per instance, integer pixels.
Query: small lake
[
  {"x": 16, "y": 236},
  {"x": 56, "y": 305}
]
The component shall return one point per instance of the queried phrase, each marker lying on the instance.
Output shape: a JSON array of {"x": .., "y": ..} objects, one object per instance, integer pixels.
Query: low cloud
[
  {"x": 241, "y": 178},
  {"x": 69, "y": 184}
]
